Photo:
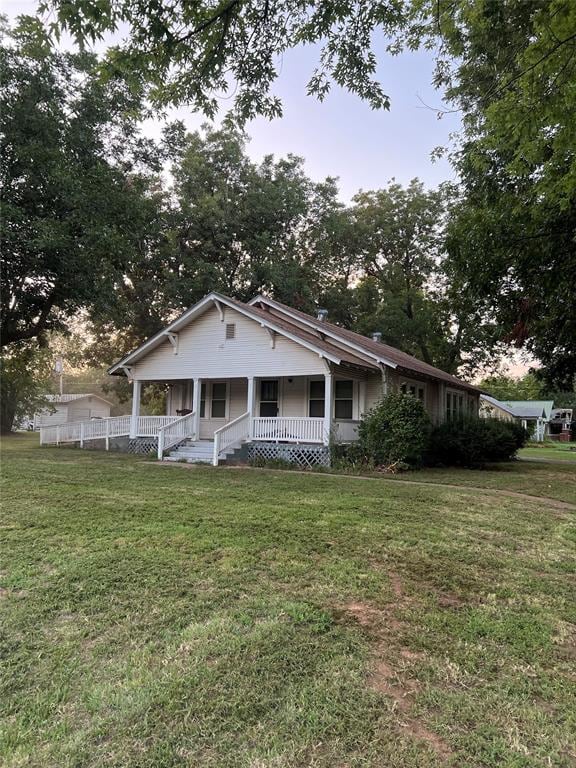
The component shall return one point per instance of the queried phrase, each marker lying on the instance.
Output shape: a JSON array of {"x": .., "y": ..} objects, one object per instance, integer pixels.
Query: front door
[{"x": 269, "y": 397}]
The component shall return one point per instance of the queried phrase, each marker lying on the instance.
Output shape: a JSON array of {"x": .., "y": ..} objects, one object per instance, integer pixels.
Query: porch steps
[{"x": 193, "y": 452}]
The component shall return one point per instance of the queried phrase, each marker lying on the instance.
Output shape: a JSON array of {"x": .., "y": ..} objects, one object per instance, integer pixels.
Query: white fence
[
  {"x": 230, "y": 435},
  {"x": 288, "y": 429},
  {"x": 102, "y": 429},
  {"x": 175, "y": 432}
]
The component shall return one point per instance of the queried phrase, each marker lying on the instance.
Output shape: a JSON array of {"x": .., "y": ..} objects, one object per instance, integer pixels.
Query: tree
[
  {"x": 224, "y": 224},
  {"x": 189, "y": 52},
  {"x": 404, "y": 290},
  {"x": 506, "y": 66},
  {"x": 503, "y": 387},
  {"x": 25, "y": 378},
  {"x": 509, "y": 68},
  {"x": 70, "y": 190}
]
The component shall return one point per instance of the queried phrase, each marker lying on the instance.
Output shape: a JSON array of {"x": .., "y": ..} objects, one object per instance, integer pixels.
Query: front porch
[{"x": 224, "y": 414}]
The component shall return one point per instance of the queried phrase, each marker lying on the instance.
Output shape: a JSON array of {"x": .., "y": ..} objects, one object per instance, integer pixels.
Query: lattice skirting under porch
[
  {"x": 143, "y": 445},
  {"x": 303, "y": 455}
]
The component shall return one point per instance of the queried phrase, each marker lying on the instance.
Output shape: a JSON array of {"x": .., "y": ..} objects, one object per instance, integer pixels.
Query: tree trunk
[{"x": 7, "y": 413}]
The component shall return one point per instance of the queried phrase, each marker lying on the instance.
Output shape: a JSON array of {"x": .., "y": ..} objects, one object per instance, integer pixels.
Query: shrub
[
  {"x": 395, "y": 431},
  {"x": 473, "y": 442},
  {"x": 347, "y": 456}
]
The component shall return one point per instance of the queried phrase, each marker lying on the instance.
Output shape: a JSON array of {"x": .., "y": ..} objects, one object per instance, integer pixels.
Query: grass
[
  {"x": 555, "y": 481},
  {"x": 170, "y": 616},
  {"x": 550, "y": 450}
]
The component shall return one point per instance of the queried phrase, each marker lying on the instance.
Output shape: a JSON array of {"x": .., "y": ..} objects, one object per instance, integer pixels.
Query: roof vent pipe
[
  {"x": 376, "y": 336},
  {"x": 322, "y": 315}
]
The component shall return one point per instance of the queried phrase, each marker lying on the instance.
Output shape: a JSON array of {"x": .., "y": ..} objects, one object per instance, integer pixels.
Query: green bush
[
  {"x": 473, "y": 442},
  {"x": 395, "y": 431}
]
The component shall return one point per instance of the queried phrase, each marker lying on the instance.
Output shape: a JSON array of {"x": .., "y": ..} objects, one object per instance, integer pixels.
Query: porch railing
[
  {"x": 230, "y": 435},
  {"x": 288, "y": 429},
  {"x": 175, "y": 432},
  {"x": 102, "y": 429}
]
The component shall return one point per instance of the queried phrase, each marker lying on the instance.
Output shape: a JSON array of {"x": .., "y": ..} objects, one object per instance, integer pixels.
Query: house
[
  {"x": 560, "y": 424},
  {"x": 534, "y": 415},
  {"x": 68, "y": 408},
  {"x": 267, "y": 379}
]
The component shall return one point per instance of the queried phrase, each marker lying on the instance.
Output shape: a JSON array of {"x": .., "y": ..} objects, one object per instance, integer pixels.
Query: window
[
  {"x": 218, "y": 410},
  {"x": 415, "y": 390},
  {"x": 230, "y": 330},
  {"x": 203, "y": 400},
  {"x": 316, "y": 399},
  {"x": 343, "y": 399},
  {"x": 454, "y": 405},
  {"x": 269, "y": 397}
]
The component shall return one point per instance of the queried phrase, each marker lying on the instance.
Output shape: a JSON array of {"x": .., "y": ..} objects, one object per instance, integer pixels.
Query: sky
[{"x": 342, "y": 136}]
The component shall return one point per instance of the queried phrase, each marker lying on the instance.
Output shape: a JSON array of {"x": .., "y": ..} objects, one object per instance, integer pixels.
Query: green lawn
[
  {"x": 557, "y": 481},
  {"x": 550, "y": 450},
  {"x": 174, "y": 616}
]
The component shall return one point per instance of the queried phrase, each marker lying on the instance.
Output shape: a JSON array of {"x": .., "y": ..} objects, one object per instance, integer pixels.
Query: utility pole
[{"x": 59, "y": 370}]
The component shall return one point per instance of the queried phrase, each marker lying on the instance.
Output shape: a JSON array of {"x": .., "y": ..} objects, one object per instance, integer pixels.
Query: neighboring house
[
  {"x": 560, "y": 425},
  {"x": 534, "y": 415},
  {"x": 68, "y": 408},
  {"x": 270, "y": 377}
]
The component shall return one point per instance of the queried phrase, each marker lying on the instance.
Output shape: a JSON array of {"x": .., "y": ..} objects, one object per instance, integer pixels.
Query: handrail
[
  {"x": 222, "y": 440},
  {"x": 102, "y": 429},
  {"x": 175, "y": 432}
]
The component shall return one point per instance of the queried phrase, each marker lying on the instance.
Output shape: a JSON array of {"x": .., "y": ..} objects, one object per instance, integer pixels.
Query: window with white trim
[
  {"x": 343, "y": 398},
  {"x": 416, "y": 390},
  {"x": 316, "y": 399}
]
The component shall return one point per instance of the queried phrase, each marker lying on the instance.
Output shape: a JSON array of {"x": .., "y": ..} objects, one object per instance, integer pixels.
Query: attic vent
[
  {"x": 376, "y": 336},
  {"x": 230, "y": 330},
  {"x": 321, "y": 315}
]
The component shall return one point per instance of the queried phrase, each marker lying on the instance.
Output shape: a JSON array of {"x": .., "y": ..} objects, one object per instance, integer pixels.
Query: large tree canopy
[
  {"x": 507, "y": 67},
  {"x": 189, "y": 52},
  {"x": 513, "y": 240},
  {"x": 70, "y": 192}
]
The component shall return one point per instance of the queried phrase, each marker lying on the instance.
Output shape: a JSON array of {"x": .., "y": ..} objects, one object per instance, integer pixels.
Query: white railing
[
  {"x": 148, "y": 426},
  {"x": 175, "y": 432},
  {"x": 288, "y": 429},
  {"x": 231, "y": 434},
  {"x": 98, "y": 429}
]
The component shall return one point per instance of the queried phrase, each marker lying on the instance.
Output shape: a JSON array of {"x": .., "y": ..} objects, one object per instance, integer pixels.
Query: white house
[
  {"x": 269, "y": 377},
  {"x": 68, "y": 408},
  {"x": 532, "y": 414}
]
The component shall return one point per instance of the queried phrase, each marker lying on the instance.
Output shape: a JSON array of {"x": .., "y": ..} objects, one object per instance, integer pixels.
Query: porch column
[
  {"x": 250, "y": 404},
  {"x": 196, "y": 394},
  {"x": 136, "y": 394},
  {"x": 328, "y": 407}
]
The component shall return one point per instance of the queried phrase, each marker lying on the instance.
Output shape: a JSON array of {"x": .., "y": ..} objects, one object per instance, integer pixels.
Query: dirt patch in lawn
[{"x": 383, "y": 677}]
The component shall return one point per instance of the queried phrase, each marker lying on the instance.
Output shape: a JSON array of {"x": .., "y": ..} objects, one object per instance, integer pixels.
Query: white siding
[
  {"x": 47, "y": 419},
  {"x": 204, "y": 352},
  {"x": 293, "y": 396},
  {"x": 88, "y": 408},
  {"x": 374, "y": 390}
]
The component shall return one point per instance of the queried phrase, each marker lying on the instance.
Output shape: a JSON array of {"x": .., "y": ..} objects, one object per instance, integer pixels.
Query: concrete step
[
  {"x": 190, "y": 459},
  {"x": 192, "y": 451}
]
